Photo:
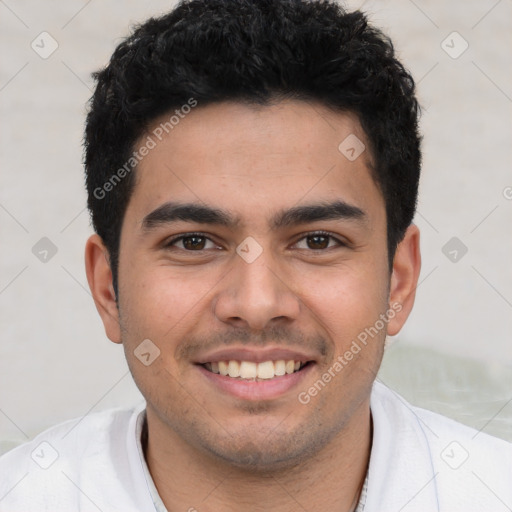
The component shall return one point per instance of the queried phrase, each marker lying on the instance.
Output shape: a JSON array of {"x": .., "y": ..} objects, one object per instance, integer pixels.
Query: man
[{"x": 252, "y": 169}]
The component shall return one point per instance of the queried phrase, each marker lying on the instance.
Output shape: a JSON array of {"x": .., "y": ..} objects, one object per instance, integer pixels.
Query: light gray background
[{"x": 455, "y": 353}]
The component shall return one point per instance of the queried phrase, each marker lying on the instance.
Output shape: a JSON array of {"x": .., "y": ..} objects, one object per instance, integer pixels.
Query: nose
[{"x": 255, "y": 295}]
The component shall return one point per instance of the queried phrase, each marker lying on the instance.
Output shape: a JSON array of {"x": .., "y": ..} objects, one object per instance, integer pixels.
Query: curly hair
[{"x": 253, "y": 51}]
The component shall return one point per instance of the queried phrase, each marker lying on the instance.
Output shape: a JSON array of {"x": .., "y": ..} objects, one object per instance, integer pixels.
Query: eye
[
  {"x": 192, "y": 242},
  {"x": 319, "y": 241}
]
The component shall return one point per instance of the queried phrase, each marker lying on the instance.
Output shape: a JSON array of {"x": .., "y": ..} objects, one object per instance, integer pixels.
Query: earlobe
[
  {"x": 99, "y": 276},
  {"x": 404, "y": 278}
]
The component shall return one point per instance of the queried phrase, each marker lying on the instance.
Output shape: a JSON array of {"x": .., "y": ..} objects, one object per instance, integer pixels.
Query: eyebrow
[
  {"x": 193, "y": 212},
  {"x": 188, "y": 212},
  {"x": 335, "y": 210}
]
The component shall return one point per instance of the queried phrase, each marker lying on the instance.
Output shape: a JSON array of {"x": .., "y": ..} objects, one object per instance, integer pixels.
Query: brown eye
[
  {"x": 192, "y": 242},
  {"x": 319, "y": 241}
]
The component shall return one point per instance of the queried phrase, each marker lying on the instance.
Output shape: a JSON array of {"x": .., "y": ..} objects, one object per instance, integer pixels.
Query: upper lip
[{"x": 256, "y": 355}]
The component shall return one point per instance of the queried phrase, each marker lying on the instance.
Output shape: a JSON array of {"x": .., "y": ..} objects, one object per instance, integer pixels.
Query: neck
[{"x": 186, "y": 479}]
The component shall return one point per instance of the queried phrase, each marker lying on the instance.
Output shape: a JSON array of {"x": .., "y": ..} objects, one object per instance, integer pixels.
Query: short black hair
[{"x": 253, "y": 51}]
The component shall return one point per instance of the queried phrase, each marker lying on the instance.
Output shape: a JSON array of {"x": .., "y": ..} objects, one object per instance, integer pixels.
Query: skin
[{"x": 208, "y": 449}]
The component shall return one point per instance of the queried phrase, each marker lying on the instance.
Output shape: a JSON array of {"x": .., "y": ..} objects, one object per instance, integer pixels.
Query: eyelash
[{"x": 169, "y": 244}]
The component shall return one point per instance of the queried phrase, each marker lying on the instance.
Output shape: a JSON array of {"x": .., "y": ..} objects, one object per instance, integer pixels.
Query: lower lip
[{"x": 267, "y": 389}]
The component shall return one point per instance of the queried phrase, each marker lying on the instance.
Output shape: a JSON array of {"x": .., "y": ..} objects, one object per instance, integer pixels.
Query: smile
[
  {"x": 250, "y": 370},
  {"x": 250, "y": 380}
]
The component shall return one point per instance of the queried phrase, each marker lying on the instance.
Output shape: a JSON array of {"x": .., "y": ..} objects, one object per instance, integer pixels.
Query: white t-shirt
[{"x": 420, "y": 461}]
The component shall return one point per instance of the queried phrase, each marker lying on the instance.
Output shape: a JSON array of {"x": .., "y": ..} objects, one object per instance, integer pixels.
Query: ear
[
  {"x": 404, "y": 278},
  {"x": 99, "y": 276}
]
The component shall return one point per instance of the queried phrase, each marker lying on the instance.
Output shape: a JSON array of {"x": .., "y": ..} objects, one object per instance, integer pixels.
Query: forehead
[{"x": 255, "y": 159}]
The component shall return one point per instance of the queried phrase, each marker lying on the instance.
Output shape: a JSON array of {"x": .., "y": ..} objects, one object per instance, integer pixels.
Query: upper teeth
[{"x": 251, "y": 370}]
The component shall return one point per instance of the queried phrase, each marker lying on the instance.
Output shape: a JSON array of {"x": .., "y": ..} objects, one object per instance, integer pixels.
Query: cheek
[
  {"x": 347, "y": 303},
  {"x": 162, "y": 304}
]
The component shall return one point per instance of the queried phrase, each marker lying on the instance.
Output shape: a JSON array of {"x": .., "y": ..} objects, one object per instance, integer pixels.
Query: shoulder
[
  {"x": 44, "y": 473},
  {"x": 468, "y": 468},
  {"x": 79, "y": 434},
  {"x": 434, "y": 425}
]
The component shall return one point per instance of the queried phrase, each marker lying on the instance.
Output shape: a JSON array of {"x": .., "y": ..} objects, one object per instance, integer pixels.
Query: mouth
[
  {"x": 253, "y": 371},
  {"x": 253, "y": 375}
]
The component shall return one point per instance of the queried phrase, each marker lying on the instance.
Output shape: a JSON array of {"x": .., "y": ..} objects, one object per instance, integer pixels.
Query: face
[{"x": 252, "y": 245}]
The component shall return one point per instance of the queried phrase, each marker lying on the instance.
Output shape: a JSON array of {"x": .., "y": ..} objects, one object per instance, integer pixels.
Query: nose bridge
[
  {"x": 259, "y": 281},
  {"x": 254, "y": 292}
]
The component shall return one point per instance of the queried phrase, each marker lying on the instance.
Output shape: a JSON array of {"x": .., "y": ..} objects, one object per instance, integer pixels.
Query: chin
[{"x": 266, "y": 453}]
